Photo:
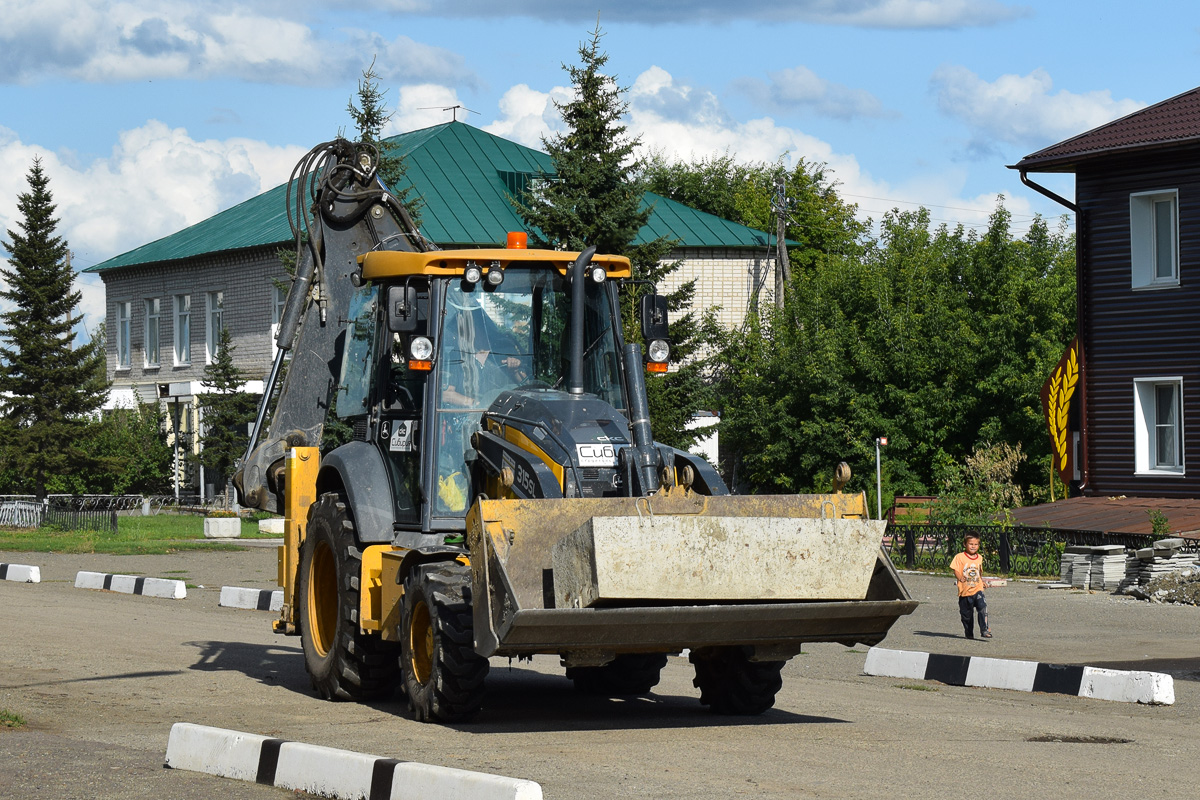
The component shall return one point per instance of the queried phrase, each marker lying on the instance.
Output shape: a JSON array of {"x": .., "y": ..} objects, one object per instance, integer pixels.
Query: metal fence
[
  {"x": 20, "y": 511},
  {"x": 94, "y": 512},
  {"x": 88, "y": 512},
  {"x": 1007, "y": 550}
]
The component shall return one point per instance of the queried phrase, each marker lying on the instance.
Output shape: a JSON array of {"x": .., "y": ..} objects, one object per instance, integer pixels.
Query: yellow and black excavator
[{"x": 503, "y": 494}]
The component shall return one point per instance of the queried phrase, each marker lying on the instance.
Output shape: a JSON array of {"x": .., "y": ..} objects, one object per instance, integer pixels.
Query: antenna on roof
[{"x": 453, "y": 109}]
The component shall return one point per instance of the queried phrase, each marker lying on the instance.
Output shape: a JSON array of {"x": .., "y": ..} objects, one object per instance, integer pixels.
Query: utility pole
[
  {"x": 780, "y": 204},
  {"x": 879, "y": 441}
]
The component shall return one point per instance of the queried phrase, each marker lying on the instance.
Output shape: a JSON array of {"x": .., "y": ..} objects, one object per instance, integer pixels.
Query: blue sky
[{"x": 150, "y": 115}]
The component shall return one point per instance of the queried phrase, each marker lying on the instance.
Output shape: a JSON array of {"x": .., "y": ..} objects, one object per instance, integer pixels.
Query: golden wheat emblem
[{"x": 1062, "y": 387}]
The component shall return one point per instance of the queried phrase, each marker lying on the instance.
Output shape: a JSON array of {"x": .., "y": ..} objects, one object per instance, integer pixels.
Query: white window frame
[
  {"x": 153, "y": 335},
  {"x": 1145, "y": 428},
  {"x": 1144, "y": 248},
  {"x": 124, "y": 308},
  {"x": 183, "y": 330},
  {"x": 214, "y": 321}
]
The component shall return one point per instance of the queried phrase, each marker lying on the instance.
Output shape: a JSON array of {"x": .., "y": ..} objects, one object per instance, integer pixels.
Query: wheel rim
[
  {"x": 420, "y": 643},
  {"x": 322, "y": 599}
]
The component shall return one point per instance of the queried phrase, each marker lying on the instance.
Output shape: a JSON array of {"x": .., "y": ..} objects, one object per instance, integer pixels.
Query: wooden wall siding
[{"x": 1131, "y": 334}]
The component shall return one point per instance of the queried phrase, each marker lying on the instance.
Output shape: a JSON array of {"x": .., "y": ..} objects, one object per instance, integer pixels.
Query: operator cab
[{"x": 455, "y": 345}]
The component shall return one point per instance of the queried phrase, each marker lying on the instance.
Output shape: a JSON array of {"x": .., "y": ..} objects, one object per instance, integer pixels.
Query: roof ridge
[
  {"x": 1156, "y": 125},
  {"x": 458, "y": 171}
]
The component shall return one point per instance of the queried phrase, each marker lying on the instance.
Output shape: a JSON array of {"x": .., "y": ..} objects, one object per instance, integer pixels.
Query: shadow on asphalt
[
  {"x": 518, "y": 699},
  {"x": 118, "y": 677},
  {"x": 269, "y": 664},
  {"x": 527, "y": 700},
  {"x": 938, "y": 634},
  {"x": 1183, "y": 669}
]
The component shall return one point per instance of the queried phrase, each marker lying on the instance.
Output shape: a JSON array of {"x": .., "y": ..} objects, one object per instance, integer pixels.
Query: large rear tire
[
  {"x": 443, "y": 675},
  {"x": 731, "y": 684},
  {"x": 343, "y": 662},
  {"x": 626, "y": 675}
]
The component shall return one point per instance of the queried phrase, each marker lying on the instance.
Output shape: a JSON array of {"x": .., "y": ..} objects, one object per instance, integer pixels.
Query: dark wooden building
[{"x": 1126, "y": 412}]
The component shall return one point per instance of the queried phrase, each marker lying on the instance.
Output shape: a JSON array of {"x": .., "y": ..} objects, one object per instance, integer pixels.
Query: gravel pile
[{"x": 1179, "y": 587}]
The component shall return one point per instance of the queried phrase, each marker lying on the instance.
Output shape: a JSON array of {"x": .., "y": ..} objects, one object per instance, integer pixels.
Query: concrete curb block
[
  {"x": 1151, "y": 688},
  {"x": 253, "y": 599},
  {"x": 20, "y": 573},
  {"x": 329, "y": 772},
  {"x": 132, "y": 584}
]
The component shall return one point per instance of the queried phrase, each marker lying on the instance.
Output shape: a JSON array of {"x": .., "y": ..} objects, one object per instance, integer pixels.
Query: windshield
[{"x": 517, "y": 334}]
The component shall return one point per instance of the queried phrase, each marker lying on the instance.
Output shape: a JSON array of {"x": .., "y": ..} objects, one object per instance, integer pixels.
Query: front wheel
[
  {"x": 731, "y": 684},
  {"x": 443, "y": 675},
  {"x": 343, "y": 662}
]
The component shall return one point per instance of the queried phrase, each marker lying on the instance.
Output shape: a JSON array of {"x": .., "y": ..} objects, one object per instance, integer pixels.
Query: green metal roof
[{"x": 464, "y": 177}]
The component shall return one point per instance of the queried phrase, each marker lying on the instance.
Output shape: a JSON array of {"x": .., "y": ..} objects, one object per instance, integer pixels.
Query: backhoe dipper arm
[{"x": 351, "y": 213}]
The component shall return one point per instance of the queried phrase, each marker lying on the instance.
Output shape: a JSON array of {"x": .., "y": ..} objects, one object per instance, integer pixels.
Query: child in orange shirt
[{"x": 968, "y": 569}]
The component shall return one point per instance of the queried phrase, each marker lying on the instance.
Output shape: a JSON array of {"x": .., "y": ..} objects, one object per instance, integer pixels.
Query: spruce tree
[
  {"x": 48, "y": 387},
  {"x": 596, "y": 196},
  {"x": 370, "y": 115},
  {"x": 227, "y": 411}
]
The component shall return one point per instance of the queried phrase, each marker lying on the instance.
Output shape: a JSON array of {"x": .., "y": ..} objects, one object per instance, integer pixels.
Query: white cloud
[
  {"x": 110, "y": 41},
  {"x": 528, "y": 116},
  {"x": 425, "y": 105},
  {"x": 707, "y": 129},
  {"x": 801, "y": 88},
  {"x": 157, "y": 180},
  {"x": 710, "y": 132},
  {"x": 858, "y": 13},
  {"x": 1022, "y": 109},
  {"x": 684, "y": 123}
]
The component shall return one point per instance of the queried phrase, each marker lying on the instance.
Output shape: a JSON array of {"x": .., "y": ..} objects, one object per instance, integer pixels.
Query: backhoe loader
[{"x": 503, "y": 494}]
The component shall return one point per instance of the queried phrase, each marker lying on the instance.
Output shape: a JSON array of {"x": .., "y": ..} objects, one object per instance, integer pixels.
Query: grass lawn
[{"x": 136, "y": 535}]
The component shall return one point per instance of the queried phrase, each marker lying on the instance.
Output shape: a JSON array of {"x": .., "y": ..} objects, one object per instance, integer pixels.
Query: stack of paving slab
[
  {"x": 1164, "y": 558},
  {"x": 1102, "y": 567}
]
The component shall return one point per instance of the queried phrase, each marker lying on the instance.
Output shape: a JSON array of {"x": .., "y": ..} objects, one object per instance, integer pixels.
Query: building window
[
  {"x": 153, "y": 313},
  {"x": 216, "y": 310},
  {"x": 183, "y": 330},
  {"x": 1154, "y": 239},
  {"x": 1158, "y": 426},
  {"x": 123, "y": 335}
]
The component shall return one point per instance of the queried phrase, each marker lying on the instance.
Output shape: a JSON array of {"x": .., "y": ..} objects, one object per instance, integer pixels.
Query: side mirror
[
  {"x": 402, "y": 309},
  {"x": 654, "y": 317}
]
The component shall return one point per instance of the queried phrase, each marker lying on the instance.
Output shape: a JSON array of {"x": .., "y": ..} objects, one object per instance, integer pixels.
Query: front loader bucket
[{"x": 588, "y": 578}]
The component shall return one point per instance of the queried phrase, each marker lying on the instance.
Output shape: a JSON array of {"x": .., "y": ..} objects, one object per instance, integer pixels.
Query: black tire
[
  {"x": 730, "y": 683},
  {"x": 443, "y": 675},
  {"x": 342, "y": 662},
  {"x": 626, "y": 675}
]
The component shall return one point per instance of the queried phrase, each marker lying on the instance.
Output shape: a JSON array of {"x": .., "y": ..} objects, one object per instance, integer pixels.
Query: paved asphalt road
[{"x": 101, "y": 677}]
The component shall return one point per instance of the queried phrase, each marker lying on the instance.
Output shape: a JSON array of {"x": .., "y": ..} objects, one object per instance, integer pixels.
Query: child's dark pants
[{"x": 979, "y": 605}]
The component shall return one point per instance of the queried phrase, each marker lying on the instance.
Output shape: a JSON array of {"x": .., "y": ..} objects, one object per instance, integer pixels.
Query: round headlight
[
  {"x": 420, "y": 348},
  {"x": 473, "y": 273},
  {"x": 495, "y": 276},
  {"x": 658, "y": 350},
  {"x": 598, "y": 274}
]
